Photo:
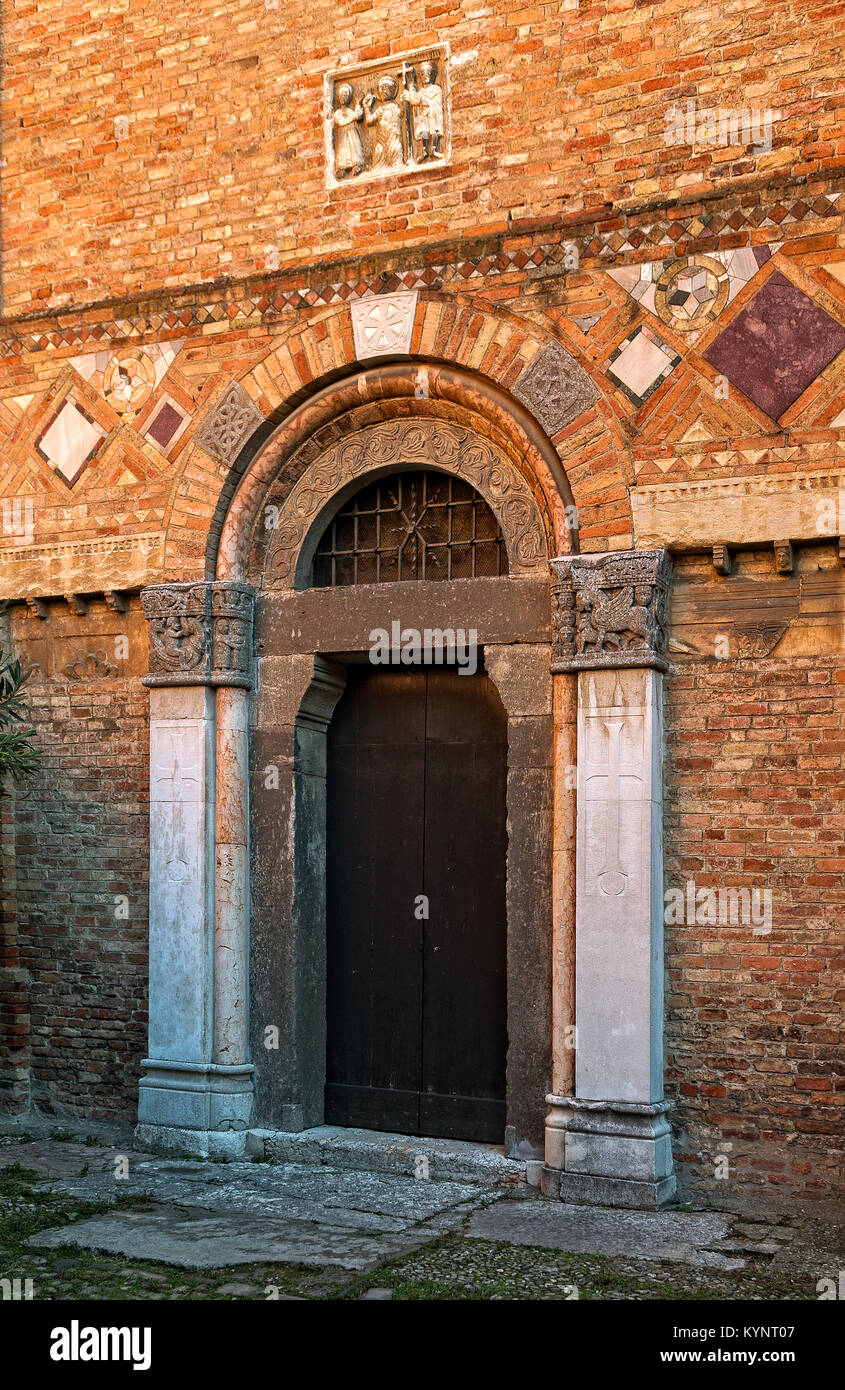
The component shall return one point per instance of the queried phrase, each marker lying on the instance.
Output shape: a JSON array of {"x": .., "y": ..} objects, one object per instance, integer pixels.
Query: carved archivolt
[{"x": 415, "y": 443}]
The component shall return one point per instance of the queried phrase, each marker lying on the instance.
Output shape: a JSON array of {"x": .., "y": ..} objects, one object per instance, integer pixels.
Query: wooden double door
[{"x": 416, "y": 860}]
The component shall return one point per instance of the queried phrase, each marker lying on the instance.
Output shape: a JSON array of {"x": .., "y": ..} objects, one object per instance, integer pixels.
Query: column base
[
  {"x": 172, "y": 1142},
  {"x": 590, "y": 1190},
  {"x": 617, "y": 1153},
  {"x": 195, "y": 1096}
]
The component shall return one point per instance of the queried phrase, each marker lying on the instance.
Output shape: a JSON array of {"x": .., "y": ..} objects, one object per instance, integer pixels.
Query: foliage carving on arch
[{"x": 418, "y": 443}]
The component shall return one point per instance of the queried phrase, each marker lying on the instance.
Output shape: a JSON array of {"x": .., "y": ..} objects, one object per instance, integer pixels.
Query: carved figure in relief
[
  {"x": 179, "y": 641},
  {"x": 348, "y": 146},
  {"x": 427, "y": 105},
  {"x": 387, "y": 118},
  {"x": 623, "y": 620},
  {"x": 230, "y": 639}
]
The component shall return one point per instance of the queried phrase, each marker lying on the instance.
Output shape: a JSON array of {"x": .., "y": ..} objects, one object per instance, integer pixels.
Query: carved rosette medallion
[
  {"x": 418, "y": 443},
  {"x": 200, "y": 634},
  {"x": 609, "y": 610}
]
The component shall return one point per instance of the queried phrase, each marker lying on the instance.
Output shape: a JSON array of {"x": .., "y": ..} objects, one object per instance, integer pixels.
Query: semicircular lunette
[{"x": 411, "y": 443}]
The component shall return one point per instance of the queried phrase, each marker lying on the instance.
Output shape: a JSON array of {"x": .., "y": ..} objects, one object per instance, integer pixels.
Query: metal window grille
[{"x": 420, "y": 525}]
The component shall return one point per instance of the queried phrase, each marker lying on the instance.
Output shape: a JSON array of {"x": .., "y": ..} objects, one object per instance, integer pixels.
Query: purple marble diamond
[{"x": 776, "y": 345}]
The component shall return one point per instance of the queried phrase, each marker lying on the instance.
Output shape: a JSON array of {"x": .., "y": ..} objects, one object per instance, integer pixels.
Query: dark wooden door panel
[
  {"x": 464, "y": 953},
  {"x": 374, "y": 860},
  {"x": 462, "y": 1117},
  {"x": 416, "y": 1009},
  {"x": 374, "y": 1107}
]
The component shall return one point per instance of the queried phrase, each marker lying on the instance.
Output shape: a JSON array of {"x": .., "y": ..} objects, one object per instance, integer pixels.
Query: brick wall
[
  {"x": 559, "y": 129},
  {"x": 756, "y": 798},
  {"x": 81, "y": 875},
  {"x": 222, "y": 164}
]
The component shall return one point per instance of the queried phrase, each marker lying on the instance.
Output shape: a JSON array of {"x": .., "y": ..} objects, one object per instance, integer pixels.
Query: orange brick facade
[{"x": 164, "y": 197}]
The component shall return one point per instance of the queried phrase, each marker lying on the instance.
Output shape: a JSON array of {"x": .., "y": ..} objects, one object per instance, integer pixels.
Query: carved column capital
[
  {"x": 609, "y": 610},
  {"x": 200, "y": 634}
]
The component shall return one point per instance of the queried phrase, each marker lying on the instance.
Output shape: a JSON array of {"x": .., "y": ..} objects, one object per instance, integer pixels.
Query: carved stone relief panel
[
  {"x": 199, "y": 633},
  {"x": 615, "y": 795},
  {"x": 619, "y": 879},
  {"x": 609, "y": 610},
  {"x": 233, "y": 421},
  {"x": 388, "y": 117},
  {"x": 555, "y": 388},
  {"x": 413, "y": 443},
  {"x": 383, "y": 323}
]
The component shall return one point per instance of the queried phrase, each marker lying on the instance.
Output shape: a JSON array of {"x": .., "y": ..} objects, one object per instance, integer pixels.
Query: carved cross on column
[{"x": 196, "y": 1083}]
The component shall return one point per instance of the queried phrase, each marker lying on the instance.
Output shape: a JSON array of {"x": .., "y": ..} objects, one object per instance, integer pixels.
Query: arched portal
[
  {"x": 258, "y": 1049},
  {"x": 239, "y": 800},
  {"x": 471, "y": 628}
]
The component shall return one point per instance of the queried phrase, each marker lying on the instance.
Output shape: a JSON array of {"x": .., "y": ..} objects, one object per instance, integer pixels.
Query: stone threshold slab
[{"x": 369, "y": 1151}]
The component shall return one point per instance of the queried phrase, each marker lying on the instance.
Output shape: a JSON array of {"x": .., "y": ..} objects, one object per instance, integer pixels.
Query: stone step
[{"x": 365, "y": 1150}]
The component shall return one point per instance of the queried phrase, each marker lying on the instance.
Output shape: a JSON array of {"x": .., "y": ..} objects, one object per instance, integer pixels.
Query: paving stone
[
  {"x": 361, "y": 1200},
  {"x": 195, "y": 1240},
  {"x": 590, "y": 1230},
  {"x": 53, "y": 1159},
  {"x": 762, "y": 1232}
]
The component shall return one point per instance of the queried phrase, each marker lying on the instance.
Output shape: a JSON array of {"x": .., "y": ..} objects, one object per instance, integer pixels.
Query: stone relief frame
[
  {"x": 388, "y": 117},
  {"x": 413, "y": 443}
]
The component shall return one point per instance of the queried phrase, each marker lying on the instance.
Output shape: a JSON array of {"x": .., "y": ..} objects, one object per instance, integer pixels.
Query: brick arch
[
  {"x": 311, "y": 375},
  {"x": 385, "y": 392}
]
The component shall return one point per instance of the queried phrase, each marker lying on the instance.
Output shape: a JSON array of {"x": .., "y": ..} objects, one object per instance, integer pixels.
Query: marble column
[
  {"x": 608, "y": 1139},
  {"x": 195, "y": 1093}
]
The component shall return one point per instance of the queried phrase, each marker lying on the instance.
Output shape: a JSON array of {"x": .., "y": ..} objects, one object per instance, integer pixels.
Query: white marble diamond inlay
[
  {"x": 641, "y": 364},
  {"x": 69, "y": 441}
]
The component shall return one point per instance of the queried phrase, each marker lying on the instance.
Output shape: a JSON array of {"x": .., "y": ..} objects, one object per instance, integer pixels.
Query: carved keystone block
[
  {"x": 609, "y": 610},
  {"x": 200, "y": 634}
]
